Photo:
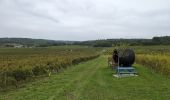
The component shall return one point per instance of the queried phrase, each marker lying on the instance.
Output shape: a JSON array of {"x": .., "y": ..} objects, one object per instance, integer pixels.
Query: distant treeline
[
  {"x": 164, "y": 40},
  {"x": 27, "y": 42}
]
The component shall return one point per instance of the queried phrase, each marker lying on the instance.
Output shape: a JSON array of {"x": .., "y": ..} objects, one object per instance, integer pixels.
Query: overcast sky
[{"x": 84, "y": 19}]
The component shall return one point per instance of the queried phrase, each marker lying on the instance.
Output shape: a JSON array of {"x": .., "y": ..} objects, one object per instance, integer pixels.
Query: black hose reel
[{"x": 125, "y": 58}]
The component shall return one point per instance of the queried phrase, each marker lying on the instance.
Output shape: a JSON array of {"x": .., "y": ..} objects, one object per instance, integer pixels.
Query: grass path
[{"x": 93, "y": 80}]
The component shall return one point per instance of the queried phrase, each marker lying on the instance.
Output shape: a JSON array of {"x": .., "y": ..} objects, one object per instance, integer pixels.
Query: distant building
[
  {"x": 13, "y": 45},
  {"x": 18, "y": 46}
]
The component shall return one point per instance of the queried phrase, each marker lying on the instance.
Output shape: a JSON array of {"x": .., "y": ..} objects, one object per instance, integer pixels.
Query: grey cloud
[
  {"x": 43, "y": 16},
  {"x": 84, "y": 19}
]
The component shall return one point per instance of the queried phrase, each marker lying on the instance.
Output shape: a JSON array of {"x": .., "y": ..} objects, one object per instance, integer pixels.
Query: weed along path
[{"x": 93, "y": 80}]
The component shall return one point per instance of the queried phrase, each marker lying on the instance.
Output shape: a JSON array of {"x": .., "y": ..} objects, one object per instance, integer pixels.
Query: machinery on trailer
[{"x": 122, "y": 61}]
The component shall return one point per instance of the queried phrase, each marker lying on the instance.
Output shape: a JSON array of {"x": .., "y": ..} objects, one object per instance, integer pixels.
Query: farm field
[
  {"x": 157, "y": 58},
  {"x": 93, "y": 80},
  {"x": 21, "y": 64},
  {"x": 84, "y": 50},
  {"x": 59, "y": 75}
]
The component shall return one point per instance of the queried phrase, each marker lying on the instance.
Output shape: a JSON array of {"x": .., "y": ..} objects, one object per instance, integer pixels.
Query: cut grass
[{"x": 93, "y": 80}]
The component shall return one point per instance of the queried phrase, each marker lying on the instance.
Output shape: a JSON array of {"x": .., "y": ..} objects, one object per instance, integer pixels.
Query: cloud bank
[{"x": 84, "y": 19}]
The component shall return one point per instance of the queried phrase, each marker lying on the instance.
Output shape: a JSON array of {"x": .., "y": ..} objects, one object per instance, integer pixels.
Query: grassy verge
[{"x": 93, "y": 80}]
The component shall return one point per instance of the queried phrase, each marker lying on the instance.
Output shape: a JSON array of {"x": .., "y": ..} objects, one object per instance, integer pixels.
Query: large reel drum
[{"x": 125, "y": 58}]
